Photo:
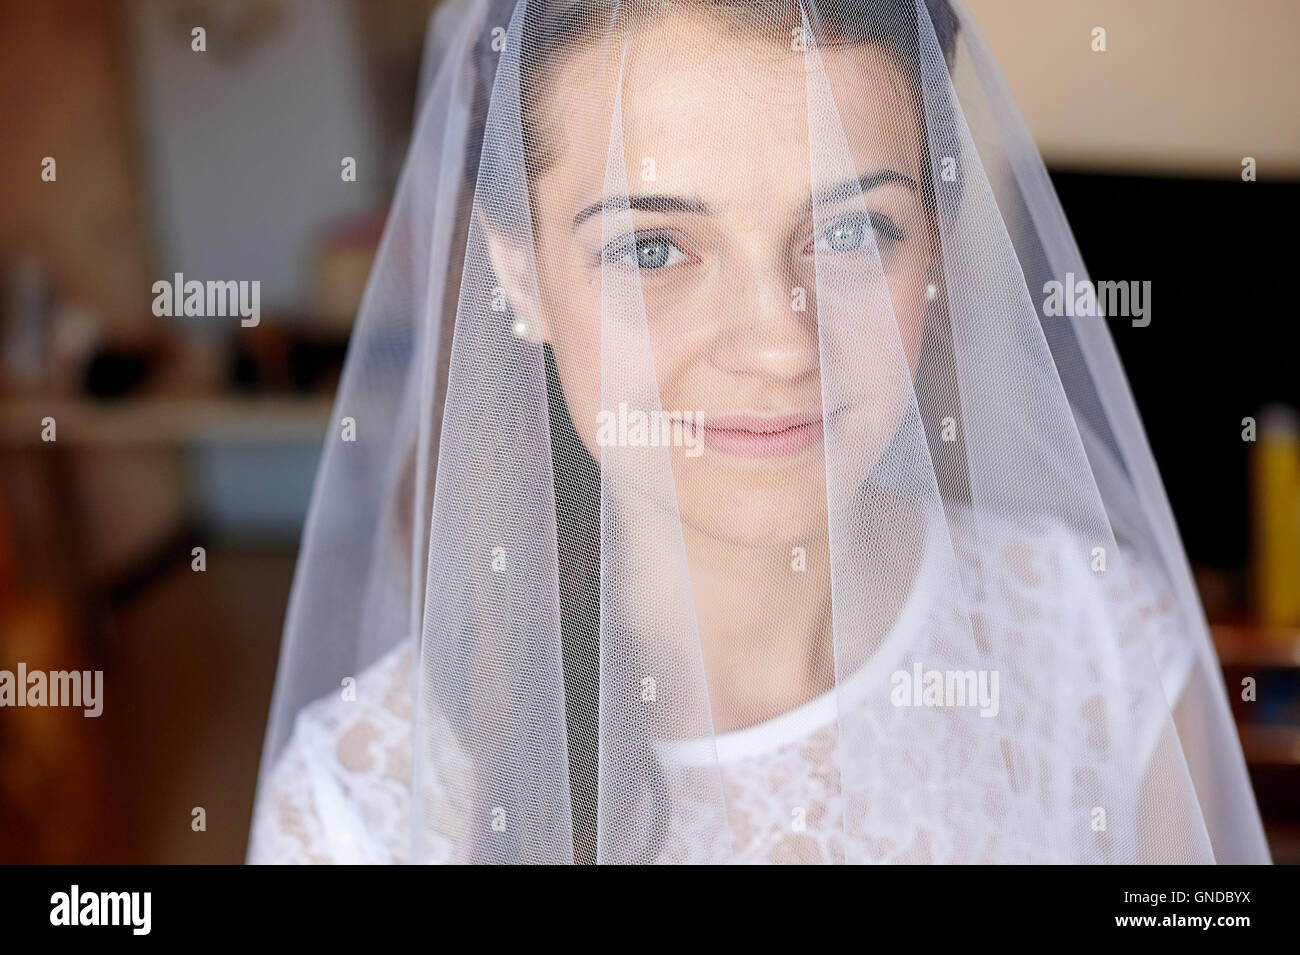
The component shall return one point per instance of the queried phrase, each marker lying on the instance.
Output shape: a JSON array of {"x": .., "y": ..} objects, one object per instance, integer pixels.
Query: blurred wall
[
  {"x": 274, "y": 104},
  {"x": 1185, "y": 87},
  {"x": 63, "y": 79}
]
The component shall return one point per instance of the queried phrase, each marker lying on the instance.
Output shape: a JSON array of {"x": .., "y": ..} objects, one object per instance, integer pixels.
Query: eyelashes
[
  {"x": 646, "y": 250},
  {"x": 851, "y": 234},
  {"x": 655, "y": 250}
]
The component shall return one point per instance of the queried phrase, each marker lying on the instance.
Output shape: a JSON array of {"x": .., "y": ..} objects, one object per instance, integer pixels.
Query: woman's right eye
[{"x": 645, "y": 251}]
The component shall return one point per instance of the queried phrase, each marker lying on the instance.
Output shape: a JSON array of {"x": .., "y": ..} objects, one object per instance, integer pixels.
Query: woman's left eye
[
  {"x": 647, "y": 251},
  {"x": 850, "y": 234}
]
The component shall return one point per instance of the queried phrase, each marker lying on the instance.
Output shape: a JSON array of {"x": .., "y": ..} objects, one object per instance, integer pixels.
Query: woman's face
[{"x": 726, "y": 254}]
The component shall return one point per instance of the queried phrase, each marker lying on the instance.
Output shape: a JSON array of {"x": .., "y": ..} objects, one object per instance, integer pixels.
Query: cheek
[
  {"x": 872, "y": 324},
  {"x": 908, "y": 276},
  {"x": 572, "y": 308},
  {"x": 909, "y": 305}
]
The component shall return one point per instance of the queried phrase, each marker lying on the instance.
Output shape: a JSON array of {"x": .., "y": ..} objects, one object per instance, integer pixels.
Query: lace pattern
[{"x": 1077, "y": 652}]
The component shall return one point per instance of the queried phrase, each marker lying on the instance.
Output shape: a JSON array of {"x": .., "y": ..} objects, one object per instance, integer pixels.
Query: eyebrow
[
  {"x": 867, "y": 181},
  {"x": 647, "y": 203},
  {"x": 667, "y": 203}
]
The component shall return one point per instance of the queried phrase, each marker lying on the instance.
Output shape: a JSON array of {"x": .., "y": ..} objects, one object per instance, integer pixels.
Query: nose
[{"x": 766, "y": 323}]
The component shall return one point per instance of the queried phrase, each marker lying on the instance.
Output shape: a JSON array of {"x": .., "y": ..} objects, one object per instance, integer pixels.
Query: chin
[{"x": 782, "y": 508}]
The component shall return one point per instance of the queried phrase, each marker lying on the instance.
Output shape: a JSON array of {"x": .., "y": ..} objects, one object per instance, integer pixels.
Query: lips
[{"x": 756, "y": 435}]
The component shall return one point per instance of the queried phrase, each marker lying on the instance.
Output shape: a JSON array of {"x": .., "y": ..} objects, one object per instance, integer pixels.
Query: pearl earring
[
  {"x": 931, "y": 292},
  {"x": 521, "y": 329}
]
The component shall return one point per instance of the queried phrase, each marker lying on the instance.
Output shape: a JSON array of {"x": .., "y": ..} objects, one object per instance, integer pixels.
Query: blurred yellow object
[{"x": 1275, "y": 480}]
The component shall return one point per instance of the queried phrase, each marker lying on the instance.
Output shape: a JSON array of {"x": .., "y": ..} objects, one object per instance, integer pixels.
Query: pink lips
[{"x": 762, "y": 436}]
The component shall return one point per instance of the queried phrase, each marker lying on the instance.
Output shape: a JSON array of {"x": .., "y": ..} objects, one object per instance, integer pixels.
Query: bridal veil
[{"x": 707, "y": 354}]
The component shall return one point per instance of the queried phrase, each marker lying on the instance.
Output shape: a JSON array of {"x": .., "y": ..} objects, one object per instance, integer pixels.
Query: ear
[{"x": 517, "y": 281}]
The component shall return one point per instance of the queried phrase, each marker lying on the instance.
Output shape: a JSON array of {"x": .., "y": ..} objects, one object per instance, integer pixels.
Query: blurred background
[{"x": 174, "y": 434}]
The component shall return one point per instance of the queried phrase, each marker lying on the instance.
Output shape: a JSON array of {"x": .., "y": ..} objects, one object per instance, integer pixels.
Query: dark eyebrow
[
  {"x": 869, "y": 180},
  {"x": 651, "y": 203},
  {"x": 665, "y": 203}
]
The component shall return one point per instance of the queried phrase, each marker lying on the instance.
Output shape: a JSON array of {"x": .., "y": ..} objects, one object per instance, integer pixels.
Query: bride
[{"x": 900, "y": 583}]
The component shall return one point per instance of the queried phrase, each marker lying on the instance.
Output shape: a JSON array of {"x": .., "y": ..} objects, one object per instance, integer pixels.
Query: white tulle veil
[{"x": 689, "y": 302}]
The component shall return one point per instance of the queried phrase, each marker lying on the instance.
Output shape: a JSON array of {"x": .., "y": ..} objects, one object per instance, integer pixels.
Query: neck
[{"x": 764, "y": 618}]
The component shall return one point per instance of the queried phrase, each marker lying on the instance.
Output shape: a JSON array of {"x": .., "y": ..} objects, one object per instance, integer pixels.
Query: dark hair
[
  {"x": 548, "y": 30},
  {"x": 551, "y": 28}
]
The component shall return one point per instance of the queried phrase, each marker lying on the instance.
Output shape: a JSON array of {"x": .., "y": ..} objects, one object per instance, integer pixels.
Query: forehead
[{"x": 712, "y": 110}]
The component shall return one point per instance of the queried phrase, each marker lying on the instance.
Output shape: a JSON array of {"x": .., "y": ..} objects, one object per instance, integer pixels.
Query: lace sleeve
[
  {"x": 1147, "y": 607},
  {"x": 340, "y": 791},
  {"x": 1155, "y": 634}
]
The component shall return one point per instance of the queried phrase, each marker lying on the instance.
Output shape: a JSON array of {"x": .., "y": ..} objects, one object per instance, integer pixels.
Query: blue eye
[
  {"x": 850, "y": 234},
  {"x": 846, "y": 236},
  {"x": 653, "y": 253},
  {"x": 650, "y": 251}
]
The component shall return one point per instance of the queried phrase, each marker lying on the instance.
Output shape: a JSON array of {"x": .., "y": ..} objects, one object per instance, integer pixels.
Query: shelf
[
  {"x": 163, "y": 420},
  {"x": 1270, "y": 745},
  {"x": 1253, "y": 645}
]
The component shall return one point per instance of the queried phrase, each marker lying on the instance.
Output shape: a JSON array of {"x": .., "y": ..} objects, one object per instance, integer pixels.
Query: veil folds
[{"x": 718, "y": 486}]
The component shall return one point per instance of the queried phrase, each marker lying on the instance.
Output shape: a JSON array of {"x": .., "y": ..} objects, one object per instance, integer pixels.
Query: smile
[{"x": 763, "y": 435}]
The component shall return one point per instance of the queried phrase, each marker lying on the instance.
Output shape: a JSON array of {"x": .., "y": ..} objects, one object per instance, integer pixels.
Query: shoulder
[
  {"x": 340, "y": 790},
  {"x": 1104, "y": 613},
  {"x": 1043, "y": 556}
]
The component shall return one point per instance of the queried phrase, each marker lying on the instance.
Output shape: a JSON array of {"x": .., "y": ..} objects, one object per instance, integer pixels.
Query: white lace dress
[{"x": 341, "y": 793}]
